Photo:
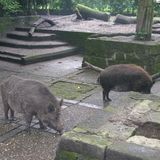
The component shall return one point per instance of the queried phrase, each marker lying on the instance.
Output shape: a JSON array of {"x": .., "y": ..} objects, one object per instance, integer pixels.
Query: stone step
[
  {"x": 27, "y": 56},
  {"x": 36, "y": 36},
  {"x": 29, "y": 44},
  {"x": 41, "y": 30},
  {"x": 156, "y": 30},
  {"x": 10, "y": 58}
]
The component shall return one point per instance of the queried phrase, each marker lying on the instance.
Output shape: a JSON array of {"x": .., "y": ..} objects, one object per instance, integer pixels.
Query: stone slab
[
  {"x": 71, "y": 90},
  {"x": 84, "y": 143},
  {"x": 130, "y": 151},
  {"x": 86, "y": 76},
  {"x": 144, "y": 141},
  {"x": 75, "y": 114}
]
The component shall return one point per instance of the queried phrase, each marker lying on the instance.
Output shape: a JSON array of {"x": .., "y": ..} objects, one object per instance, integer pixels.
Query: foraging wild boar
[
  {"x": 128, "y": 77},
  {"x": 31, "y": 98}
]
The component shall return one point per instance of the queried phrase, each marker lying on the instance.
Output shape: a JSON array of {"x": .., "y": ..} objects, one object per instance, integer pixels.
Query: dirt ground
[{"x": 70, "y": 23}]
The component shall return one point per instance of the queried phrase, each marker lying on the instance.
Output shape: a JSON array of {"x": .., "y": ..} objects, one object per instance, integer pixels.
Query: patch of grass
[{"x": 70, "y": 90}]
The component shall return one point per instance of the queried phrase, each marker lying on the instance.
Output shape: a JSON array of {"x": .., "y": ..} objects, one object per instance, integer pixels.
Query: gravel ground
[{"x": 34, "y": 146}]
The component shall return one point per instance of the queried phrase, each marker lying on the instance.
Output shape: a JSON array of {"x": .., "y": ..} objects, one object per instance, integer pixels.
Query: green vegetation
[
  {"x": 28, "y": 7},
  {"x": 9, "y": 6},
  {"x": 70, "y": 90},
  {"x": 66, "y": 155}
]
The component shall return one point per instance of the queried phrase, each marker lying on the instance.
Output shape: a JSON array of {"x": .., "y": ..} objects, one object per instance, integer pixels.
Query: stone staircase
[{"x": 18, "y": 47}]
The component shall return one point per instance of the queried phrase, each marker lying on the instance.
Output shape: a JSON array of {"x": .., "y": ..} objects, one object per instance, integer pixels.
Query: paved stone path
[{"x": 17, "y": 144}]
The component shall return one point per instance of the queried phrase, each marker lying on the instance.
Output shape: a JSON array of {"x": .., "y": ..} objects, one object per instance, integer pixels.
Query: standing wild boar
[
  {"x": 31, "y": 98},
  {"x": 127, "y": 77}
]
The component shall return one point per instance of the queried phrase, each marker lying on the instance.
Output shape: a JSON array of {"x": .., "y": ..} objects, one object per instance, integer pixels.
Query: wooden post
[{"x": 144, "y": 20}]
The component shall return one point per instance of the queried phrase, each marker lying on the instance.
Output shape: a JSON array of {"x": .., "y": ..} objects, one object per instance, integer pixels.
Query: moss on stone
[
  {"x": 66, "y": 155},
  {"x": 96, "y": 139},
  {"x": 4, "y": 23},
  {"x": 105, "y": 51},
  {"x": 70, "y": 90},
  {"x": 75, "y": 38}
]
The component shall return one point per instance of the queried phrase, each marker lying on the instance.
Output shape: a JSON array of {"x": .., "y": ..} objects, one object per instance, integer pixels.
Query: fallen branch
[
  {"x": 37, "y": 23},
  {"x": 88, "y": 65},
  {"x": 84, "y": 12},
  {"x": 156, "y": 76},
  {"x": 122, "y": 19}
]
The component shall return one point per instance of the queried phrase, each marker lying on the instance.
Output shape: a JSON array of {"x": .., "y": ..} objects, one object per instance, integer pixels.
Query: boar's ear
[
  {"x": 61, "y": 102},
  {"x": 51, "y": 108}
]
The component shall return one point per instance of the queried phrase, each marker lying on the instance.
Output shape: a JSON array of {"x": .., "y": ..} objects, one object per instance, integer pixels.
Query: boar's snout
[
  {"x": 52, "y": 119},
  {"x": 58, "y": 127}
]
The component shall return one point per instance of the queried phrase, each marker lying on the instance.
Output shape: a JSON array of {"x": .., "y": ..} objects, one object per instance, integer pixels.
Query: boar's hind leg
[
  {"x": 6, "y": 109},
  {"x": 106, "y": 95},
  {"x": 11, "y": 114}
]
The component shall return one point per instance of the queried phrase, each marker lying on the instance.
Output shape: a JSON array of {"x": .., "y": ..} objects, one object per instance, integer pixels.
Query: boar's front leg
[
  {"x": 5, "y": 105},
  {"x": 41, "y": 125},
  {"x": 28, "y": 120}
]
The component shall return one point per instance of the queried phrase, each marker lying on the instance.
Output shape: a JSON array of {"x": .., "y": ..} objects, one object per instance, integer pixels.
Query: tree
[{"x": 144, "y": 20}]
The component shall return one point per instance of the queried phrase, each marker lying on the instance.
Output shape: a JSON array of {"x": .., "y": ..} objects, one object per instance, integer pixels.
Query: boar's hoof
[
  {"x": 12, "y": 119},
  {"x": 42, "y": 126},
  {"x": 28, "y": 130},
  {"x": 107, "y": 100},
  {"x": 60, "y": 132}
]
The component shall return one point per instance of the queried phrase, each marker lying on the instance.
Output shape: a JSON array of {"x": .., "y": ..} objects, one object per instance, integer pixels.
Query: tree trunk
[{"x": 144, "y": 20}]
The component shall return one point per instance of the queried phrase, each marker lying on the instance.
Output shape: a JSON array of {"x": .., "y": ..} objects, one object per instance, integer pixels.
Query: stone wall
[{"x": 104, "y": 51}]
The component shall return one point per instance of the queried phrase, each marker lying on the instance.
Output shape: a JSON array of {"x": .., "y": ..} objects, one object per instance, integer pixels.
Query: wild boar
[
  {"x": 31, "y": 98},
  {"x": 127, "y": 77}
]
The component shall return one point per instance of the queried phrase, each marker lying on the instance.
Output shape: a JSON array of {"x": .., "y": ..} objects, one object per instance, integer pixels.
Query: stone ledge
[
  {"x": 130, "y": 151},
  {"x": 85, "y": 143}
]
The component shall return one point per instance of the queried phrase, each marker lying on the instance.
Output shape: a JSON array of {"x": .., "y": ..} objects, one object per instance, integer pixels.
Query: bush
[{"x": 8, "y": 7}]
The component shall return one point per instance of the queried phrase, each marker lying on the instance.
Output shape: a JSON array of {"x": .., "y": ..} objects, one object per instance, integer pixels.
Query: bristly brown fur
[{"x": 125, "y": 77}]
